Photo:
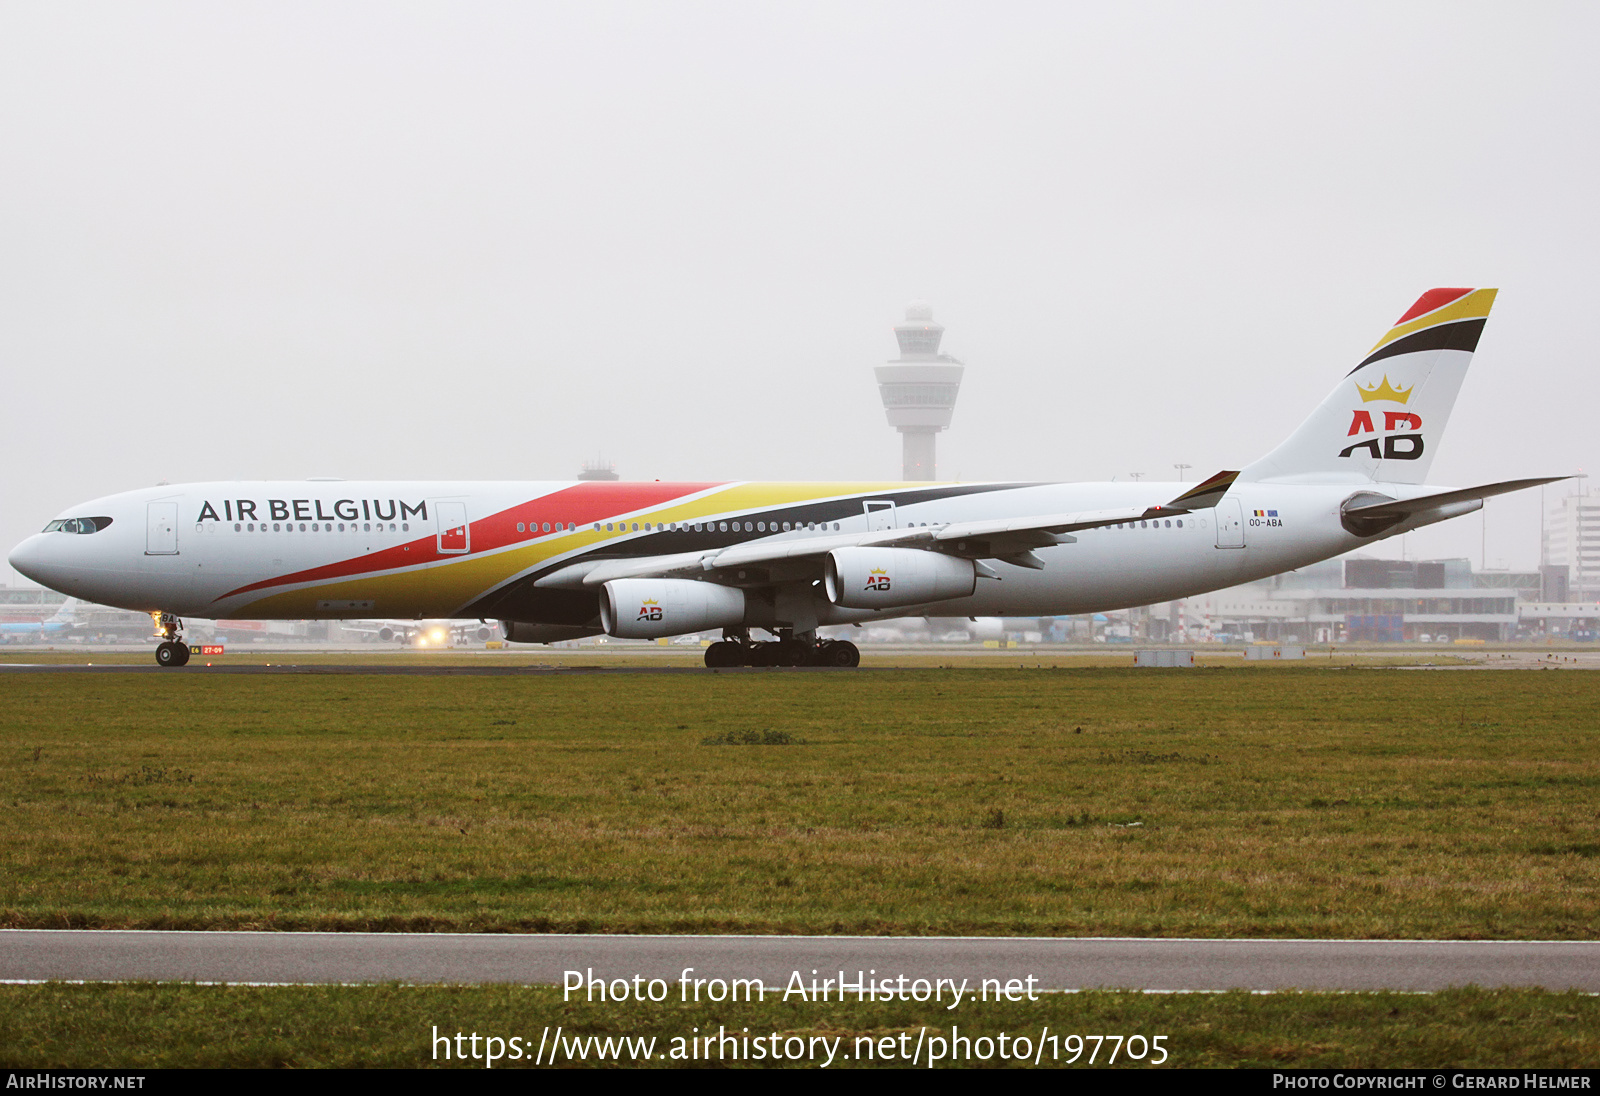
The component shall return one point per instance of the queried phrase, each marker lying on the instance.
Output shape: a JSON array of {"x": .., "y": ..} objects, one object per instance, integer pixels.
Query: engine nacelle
[
  {"x": 649, "y": 608},
  {"x": 520, "y": 631},
  {"x": 887, "y": 578}
]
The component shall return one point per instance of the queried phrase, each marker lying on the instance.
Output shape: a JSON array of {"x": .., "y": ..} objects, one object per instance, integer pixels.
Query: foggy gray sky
[{"x": 488, "y": 240}]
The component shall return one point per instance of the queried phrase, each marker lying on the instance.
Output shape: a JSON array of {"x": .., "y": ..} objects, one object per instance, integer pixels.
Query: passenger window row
[
  {"x": 715, "y": 527},
  {"x": 319, "y": 527}
]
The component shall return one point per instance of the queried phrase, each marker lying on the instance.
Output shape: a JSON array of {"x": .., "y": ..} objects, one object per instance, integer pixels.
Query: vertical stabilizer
[{"x": 1384, "y": 421}]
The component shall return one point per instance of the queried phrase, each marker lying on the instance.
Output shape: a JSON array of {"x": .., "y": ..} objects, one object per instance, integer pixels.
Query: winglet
[{"x": 1204, "y": 495}]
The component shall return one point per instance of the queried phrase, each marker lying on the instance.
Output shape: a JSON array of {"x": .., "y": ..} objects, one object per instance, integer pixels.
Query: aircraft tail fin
[{"x": 1383, "y": 422}]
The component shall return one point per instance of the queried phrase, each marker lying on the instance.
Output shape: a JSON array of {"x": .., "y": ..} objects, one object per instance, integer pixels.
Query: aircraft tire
[
  {"x": 841, "y": 653},
  {"x": 723, "y": 654},
  {"x": 183, "y": 653},
  {"x": 167, "y": 654}
]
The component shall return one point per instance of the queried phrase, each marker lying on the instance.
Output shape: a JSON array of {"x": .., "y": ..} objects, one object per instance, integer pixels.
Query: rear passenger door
[{"x": 455, "y": 535}]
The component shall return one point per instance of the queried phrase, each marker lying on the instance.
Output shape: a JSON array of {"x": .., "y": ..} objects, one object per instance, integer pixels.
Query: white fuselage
[{"x": 295, "y": 550}]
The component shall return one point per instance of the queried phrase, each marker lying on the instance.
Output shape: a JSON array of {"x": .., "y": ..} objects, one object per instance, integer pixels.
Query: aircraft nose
[{"x": 31, "y": 558}]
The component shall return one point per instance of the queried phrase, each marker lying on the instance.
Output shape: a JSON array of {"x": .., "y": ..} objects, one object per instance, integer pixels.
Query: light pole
[{"x": 1180, "y": 468}]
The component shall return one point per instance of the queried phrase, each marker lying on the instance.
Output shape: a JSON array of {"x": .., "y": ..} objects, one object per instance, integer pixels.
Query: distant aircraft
[
  {"x": 422, "y": 633},
  {"x": 60, "y": 624},
  {"x": 645, "y": 560}
]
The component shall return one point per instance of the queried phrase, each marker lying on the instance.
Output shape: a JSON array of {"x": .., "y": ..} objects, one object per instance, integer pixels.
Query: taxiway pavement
[{"x": 1174, "y": 965}]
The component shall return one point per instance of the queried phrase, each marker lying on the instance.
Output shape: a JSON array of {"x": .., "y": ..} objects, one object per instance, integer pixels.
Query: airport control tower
[{"x": 919, "y": 389}]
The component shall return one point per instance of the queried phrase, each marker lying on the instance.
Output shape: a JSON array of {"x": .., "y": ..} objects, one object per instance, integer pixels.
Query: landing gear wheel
[
  {"x": 724, "y": 654},
  {"x": 167, "y": 654},
  {"x": 841, "y": 653},
  {"x": 792, "y": 652},
  {"x": 183, "y": 653}
]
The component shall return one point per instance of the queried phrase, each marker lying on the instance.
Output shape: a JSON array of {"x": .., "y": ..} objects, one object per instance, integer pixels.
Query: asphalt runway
[
  {"x": 472, "y": 666},
  {"x": 29, "y": 955},
  {"x": 397, "y": 670}
]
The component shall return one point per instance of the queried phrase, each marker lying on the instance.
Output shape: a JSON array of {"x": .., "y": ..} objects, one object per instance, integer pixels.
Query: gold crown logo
[
  {"x": 1384, "y": 391},
  {"x": 650, "y": 601},
  {"x": 879, "y": 571}
]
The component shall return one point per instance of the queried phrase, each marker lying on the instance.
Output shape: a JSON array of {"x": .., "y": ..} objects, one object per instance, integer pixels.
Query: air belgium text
[{"x": 312, "y": 510}]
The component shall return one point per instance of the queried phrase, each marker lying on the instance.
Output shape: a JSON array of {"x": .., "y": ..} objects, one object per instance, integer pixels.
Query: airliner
[
  {"x": 423, "y": 633},
  {"x": 63, "y": 621},
  {"x": 556, "y": 561}
]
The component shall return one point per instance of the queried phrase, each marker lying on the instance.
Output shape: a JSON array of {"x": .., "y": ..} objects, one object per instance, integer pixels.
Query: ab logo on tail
[{"x": 1391, "y": 446}]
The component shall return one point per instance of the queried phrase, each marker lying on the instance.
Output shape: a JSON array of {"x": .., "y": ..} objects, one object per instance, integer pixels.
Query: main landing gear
[
  {"x": 787, "y": 651},
  {"x": 171, "y": 651}
]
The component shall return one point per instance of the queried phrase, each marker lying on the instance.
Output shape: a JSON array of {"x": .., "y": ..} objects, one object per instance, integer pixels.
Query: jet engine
[
  {"x": 649, "y": 608},
  {"x": 886, "y": 578},
  {"x": 521, "y": 631}
]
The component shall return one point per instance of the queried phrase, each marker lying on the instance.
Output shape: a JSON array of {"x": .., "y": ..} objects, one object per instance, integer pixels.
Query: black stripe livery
[{"x": 1461, "y": 335}]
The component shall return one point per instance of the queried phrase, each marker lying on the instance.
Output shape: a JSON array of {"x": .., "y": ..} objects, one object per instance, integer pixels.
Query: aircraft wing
[
  {"x": 1010, "y": 540},
  {"x": 788, "y": 559}
]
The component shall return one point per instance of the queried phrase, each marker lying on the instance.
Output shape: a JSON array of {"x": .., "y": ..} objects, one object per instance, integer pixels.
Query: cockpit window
[{"x": 77, "y": 525}]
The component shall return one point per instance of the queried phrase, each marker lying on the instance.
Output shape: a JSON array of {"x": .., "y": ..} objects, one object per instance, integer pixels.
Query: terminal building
[
  {"x": 1572, "y": 543},
  {"x": 1364, "y": 600}
]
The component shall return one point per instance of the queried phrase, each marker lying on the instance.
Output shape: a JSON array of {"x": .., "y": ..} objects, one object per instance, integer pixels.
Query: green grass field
[
  {"x": 1045, "y": 797},
  {"x": 1244, "y": 801},
  {"x": 141, "y": 1026}
]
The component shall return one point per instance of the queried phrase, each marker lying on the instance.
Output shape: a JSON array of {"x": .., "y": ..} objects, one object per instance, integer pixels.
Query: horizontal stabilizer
[{"x": 1372, "y": 518}]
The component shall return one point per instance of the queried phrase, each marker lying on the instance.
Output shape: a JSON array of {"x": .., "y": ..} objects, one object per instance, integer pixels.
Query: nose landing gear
[{"x": 172, "y": 651}]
